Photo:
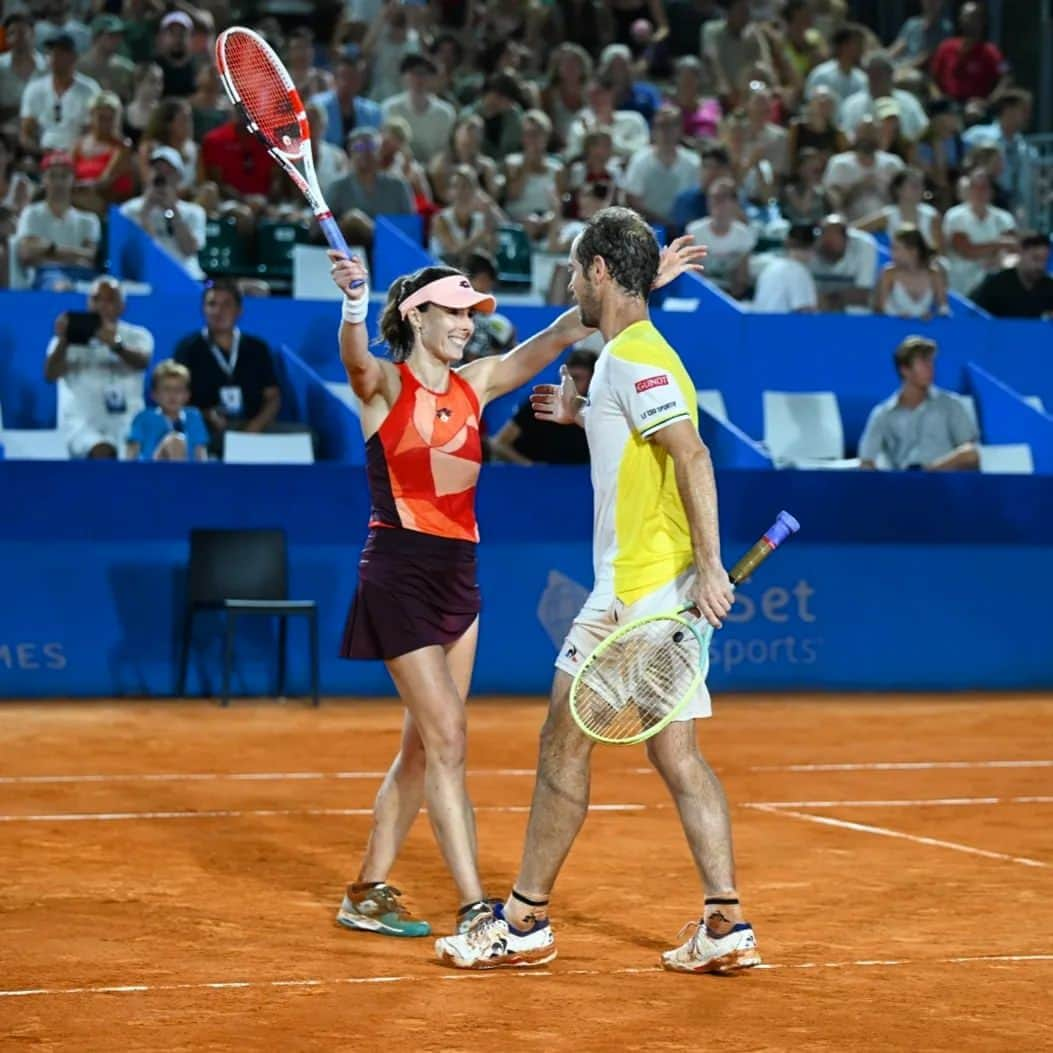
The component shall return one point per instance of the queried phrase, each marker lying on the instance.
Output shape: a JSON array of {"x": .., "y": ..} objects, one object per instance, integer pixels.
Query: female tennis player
[{"x": 417, "y": 602}]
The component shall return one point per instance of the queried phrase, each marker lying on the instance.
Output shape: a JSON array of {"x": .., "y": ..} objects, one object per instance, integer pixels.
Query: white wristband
[{"x": 355, "y": 311}]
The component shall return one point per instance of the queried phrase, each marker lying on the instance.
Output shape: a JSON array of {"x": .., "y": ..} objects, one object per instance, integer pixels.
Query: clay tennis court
[{"x": 171, "y": 872}]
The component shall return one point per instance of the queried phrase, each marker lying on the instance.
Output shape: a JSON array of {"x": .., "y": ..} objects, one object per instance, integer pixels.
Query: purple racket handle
[
  {"x": 335, "y": 237},
  {"x": 778, "y": 532},
  {"x": 781, "y": 529}
]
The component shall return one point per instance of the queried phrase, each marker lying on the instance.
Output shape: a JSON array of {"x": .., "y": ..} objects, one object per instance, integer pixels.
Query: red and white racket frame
[{"x": 306, "y": 181}]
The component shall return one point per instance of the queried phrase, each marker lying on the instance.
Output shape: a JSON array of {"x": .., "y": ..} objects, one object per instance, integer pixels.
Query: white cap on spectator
[
  {"x": 169, "y": 154},
  {"x": 178, "y": 18}
]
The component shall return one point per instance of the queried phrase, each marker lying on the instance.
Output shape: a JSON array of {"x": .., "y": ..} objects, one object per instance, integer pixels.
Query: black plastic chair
[{"x": 243, "y": 572}]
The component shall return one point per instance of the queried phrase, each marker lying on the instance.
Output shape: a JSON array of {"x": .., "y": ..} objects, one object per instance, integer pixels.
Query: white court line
[
  {"x": 233, "y": 813},
  {"x": 906, "y": 765},
  {"x": 922, "y": 802},
  {"x": 884, "y": 831},
  {"x": 524, "y": 773},
  {"x": 247, "y": 776},
  {"x": 241, "y": 985}
]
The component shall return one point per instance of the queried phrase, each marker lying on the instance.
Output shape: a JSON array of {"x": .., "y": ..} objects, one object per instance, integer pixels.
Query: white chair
[
  {"x": 34, "y": 444},
  {"x": 712, "y": 401},
  {"x": 804, "y": 430},
  {"x": 1008, "y": 459},
  {"x": 240, "y": 447},
  {"x": 342, "y": 390}
]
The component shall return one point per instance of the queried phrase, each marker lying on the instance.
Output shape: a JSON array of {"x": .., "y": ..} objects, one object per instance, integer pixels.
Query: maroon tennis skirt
[{"x": 414, "y": 590}]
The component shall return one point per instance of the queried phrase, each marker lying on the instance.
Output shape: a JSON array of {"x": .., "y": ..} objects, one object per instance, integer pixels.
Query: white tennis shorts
[{"x": 594, "y": 624}]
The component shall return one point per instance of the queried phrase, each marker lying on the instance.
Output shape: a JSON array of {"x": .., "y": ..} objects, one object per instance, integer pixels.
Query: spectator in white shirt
[
  {"x": 99, "y": 374},
  {"x": 55, "y": 242},
  {"x": 657, "y": 174},
  {"x": 907, "y": 188},
  {"x": 729, "y": 240},
  {"x": 858, "y": 180},
  {"x": 629, "y": 131},
  {"x": 390, "y": 39},
  {"x": 844, "y": 265},
  {"x": 841, "y": 74},
  {"x": 430, "y": 118},
  {"x": 765, "y": 140},
  {"x": 55, "y": 106},
  {"x": 534, "y": 180},
  {"x": 913, "y": 285},
  {"x": 19, "y": 64},
  {"x": 785, "y": 285},
  {"x": 177, "y": 226},
  {"x": 912, "y": 118},
  {"x": 977, "y": 236}
]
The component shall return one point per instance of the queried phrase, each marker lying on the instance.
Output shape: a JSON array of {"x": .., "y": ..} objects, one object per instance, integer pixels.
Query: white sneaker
[
  {"x": 706, "y": 953},
  {"x": 489, "y": 944}
]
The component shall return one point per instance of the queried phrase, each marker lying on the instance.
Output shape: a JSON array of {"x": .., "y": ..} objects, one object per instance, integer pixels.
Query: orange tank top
[{"x": 423, "y": 461}]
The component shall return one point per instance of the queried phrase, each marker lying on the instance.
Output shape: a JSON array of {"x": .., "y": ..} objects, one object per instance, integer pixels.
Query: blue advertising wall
[{"x": 896, "y": 581}]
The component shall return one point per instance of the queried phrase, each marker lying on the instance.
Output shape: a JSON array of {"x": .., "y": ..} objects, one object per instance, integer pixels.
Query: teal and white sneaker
[
  {"x": 376, "y": 908},
  {"x": 707, "y": 953}
]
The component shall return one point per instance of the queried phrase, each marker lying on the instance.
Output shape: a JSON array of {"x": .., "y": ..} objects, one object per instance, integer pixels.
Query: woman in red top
[
  {"x": 102, "y": 158},
  {"x": 416, "y": 606}
]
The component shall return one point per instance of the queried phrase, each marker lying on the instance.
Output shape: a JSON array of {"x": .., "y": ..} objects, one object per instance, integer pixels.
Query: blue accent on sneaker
[{"x": 499, "y": 912}]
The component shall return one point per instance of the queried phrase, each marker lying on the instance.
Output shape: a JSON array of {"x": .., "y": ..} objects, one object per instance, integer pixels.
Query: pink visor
[{"x": 453, "y": 291}]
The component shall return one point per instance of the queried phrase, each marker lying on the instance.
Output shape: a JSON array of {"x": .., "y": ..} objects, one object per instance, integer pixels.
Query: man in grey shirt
[
  {"x": 921, "y": 426},
  {"x": 366, "y": 192}
]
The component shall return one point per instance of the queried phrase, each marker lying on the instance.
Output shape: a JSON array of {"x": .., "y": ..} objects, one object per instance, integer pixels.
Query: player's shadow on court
[{"x": 608, "y": 926}]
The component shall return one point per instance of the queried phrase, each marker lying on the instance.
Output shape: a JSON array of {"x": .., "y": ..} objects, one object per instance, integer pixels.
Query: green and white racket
[{"x": 646, "y": 672}]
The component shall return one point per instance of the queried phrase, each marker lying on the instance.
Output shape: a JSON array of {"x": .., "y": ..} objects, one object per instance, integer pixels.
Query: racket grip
[
  {"x": 335, "y": 237},
  {"x": 777, "y": 533}
]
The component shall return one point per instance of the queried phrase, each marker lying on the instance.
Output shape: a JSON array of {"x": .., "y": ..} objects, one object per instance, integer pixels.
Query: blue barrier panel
[
  {"x": 889, "y": 585},
  {"x": 411, "y": 224},
  {"x": 135, "y": 256},
  {"x": 305, "y": 398},
  {"x": 394, "y": 254},
  {"x": 1006, "y": 418},
  {"x": 729, "y": 446}
]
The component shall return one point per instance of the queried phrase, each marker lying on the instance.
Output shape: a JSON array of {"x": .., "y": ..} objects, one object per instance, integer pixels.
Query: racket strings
[
  {"x": 268, "y": 102},
  {"x": 638, "y": 678}
]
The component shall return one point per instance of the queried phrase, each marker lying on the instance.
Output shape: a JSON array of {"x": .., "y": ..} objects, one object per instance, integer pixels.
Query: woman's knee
[{"x": 445, "y": 741}]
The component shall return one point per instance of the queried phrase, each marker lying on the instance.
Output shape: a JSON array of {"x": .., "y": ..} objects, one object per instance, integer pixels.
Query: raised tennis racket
[
  {"x": 646, "y": 672},
  {"x": 259, "y": 86}
]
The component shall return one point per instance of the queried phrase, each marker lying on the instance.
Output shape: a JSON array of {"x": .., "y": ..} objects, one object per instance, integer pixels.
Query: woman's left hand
[{"x": 679, "y": 257}]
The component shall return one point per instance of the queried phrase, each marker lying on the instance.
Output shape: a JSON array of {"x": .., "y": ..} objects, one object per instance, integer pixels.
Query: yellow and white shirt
[{"x": 641, "y": 539}]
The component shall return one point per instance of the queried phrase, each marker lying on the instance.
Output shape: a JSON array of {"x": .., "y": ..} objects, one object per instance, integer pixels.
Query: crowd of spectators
[
  {"x": 782, "y": 134},
  {"x": 733, "y": 120}
]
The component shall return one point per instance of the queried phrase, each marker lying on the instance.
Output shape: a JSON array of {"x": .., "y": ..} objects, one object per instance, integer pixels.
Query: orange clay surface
[{"x": 171, "y": 872}]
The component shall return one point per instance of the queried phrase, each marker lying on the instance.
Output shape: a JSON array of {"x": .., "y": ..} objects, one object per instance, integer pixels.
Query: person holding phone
[
  {"x": 177, "y": 226},
  {"x": 98, "y": 361}
]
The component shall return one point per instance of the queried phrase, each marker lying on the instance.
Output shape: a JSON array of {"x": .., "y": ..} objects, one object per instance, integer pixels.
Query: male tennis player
[{"x": 656, "y": 547}]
